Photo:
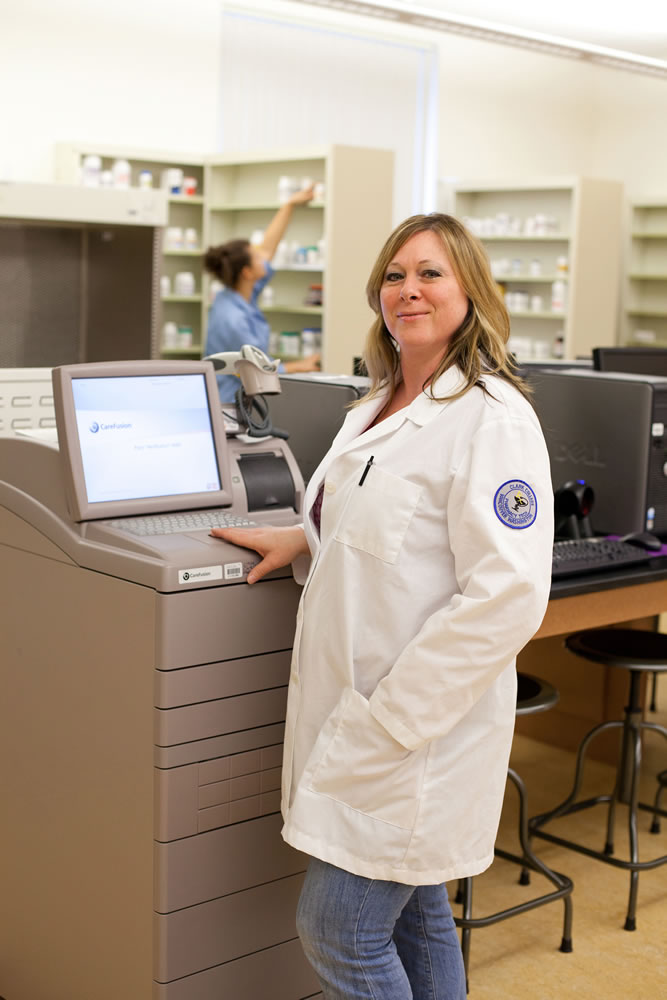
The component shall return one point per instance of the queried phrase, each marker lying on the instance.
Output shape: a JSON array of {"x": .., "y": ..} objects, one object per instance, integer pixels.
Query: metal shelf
[
  {"x": 544, "y": 314},
  {"x": 258, "y": 206},
  {"x": 297, "y": 310},
  {"x": 545, "y": 279}
]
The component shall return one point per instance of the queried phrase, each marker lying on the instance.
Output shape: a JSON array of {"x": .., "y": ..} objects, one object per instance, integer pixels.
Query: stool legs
[
  {"x": 465, "y": 888},
  {"x": 626, "y": 789},
  {"x": 563, "y": 886},
  {"x": 654, "y": 690},
  {"x": 657, "y": 811}
]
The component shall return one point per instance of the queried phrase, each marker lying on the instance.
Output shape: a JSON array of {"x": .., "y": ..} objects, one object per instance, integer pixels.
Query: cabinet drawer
[
  {"x": 221, "y": 680},
  {"x": 223, "y": 623},
  {"x": 200, "y": 937},
  {"x": 213, "y": 718},
  {"x": 214, "y": 864},
  {"x": 284, "y": 967}
]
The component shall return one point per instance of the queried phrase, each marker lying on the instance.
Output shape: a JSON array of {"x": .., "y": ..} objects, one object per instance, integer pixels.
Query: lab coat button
[{"x": 329, "y": 488}]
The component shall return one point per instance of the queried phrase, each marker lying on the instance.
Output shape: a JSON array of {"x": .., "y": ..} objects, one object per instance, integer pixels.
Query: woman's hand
[
  {"x": 275, "y": 230},
  {"x": 277, "y": 546},
  {"x": 302, "y": 196},
  {"x": 313, "y": 363}
]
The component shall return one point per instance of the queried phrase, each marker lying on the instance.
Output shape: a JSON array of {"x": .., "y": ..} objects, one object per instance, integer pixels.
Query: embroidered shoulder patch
[{"x": 515, "y": 504}]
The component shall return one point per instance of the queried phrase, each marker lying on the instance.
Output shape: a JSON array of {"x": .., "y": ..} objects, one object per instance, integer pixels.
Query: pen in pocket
[{"x": 366, "y": 470}]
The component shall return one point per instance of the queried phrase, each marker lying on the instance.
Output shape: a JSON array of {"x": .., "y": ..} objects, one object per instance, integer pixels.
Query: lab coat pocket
[
  {"x": 378, "y": 513},
  {"x": 356, "y": 762}
]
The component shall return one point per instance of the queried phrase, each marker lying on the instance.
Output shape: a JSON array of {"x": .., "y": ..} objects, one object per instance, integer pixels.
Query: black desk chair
[
  {"x": 638, "y": 652},
  {"x": 533, "y": 695}
]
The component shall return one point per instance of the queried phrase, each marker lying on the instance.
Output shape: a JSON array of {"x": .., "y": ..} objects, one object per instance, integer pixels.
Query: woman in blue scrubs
[{"x": 244, "y": 269}]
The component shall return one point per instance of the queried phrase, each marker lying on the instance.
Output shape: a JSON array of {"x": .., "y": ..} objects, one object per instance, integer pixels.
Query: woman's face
[{"x": 421, "y": 299}]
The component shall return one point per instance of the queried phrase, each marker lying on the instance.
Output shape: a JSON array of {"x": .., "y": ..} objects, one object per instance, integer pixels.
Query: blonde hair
[{"x": 479, "y": 346}]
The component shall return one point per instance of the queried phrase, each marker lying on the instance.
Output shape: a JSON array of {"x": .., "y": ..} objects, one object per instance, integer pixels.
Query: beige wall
[
  {"x": 146, "y": 73},
  {"x": 509, "y": 113},
  {"x": 139, "y": 73},
  {"x": 630, "y": 132}
]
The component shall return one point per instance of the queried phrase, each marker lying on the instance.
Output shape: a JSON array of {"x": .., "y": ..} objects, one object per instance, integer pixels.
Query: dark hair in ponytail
[{"x": 226, "y": 261}]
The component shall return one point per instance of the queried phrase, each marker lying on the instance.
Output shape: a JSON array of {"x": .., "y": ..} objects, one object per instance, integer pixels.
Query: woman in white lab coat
[{"x": 429, "y": 530}]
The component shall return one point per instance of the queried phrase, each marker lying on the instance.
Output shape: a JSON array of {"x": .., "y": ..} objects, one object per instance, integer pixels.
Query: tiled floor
[{"x": 520, "y": 957}]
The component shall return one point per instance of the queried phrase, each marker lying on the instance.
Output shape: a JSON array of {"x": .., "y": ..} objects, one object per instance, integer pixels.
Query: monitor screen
[
  {"x": 140, "y": 437},
  {"x": 631, "y": 360}
]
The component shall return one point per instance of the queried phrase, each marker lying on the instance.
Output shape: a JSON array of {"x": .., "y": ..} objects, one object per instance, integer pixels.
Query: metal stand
[
  {"x": 528, "y": 860},
  {"x": 626, "y": 790},
  {"x": 534, "y": 696},
  {"x": 657, "y": 811}
]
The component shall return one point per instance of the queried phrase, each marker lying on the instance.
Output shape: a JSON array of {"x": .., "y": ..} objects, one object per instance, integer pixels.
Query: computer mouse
[{"x": 643, "y": 540}]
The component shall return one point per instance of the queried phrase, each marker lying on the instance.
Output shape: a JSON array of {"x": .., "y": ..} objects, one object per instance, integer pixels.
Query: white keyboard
[{"x": 169, "y": 524}]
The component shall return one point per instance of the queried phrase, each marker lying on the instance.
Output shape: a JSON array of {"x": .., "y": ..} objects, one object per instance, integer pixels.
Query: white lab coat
[{"x": 403, "y": 686}]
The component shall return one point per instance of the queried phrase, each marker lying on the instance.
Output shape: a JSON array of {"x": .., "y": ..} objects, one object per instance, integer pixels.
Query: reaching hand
[
  {"x": 277, "y": 546},
  {"x": 301, "y": 197},
  {"x": 309, "y": 364}
]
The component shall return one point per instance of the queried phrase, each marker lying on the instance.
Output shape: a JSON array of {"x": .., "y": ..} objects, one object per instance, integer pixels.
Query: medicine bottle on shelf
[
  {"x": 91, "y": 171},
  {"x": 558, "y": 295},
  {"x": 313, "y": 296},
  {"x": 559, "y": 345},
  {"x": 170, "y": 335},
  {"x": 285, "y": 189},
  {"x": 290, "y": 343},
  {"x": 309, "y": 341},
  {"x": 121, "y": 173}
]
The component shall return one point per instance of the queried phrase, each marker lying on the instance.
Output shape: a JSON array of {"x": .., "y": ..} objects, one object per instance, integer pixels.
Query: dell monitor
[{"x": 631, "y": 360}]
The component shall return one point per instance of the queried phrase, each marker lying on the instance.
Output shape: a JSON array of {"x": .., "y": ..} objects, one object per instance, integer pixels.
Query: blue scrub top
[{"x": 233, "y": 322}]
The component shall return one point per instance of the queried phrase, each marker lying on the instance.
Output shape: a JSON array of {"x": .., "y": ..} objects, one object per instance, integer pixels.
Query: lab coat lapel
[
  {"x": 420, "y": 412},
  {"x": 355, "y": 425}
]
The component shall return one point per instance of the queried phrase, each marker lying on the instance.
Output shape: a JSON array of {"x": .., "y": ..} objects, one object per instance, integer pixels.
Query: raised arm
[{"x": 276, "y": 228}]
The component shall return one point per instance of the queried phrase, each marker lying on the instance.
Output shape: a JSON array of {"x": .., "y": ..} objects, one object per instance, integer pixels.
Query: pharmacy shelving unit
[
  {"x": 238, "y": 195},
  {"x": 645, "y": 313},
  {"x": 353, "y": 219},
  {"x": 78, "y": 273},
  {"x": 184, "y": 212},
  {"x": 583, "y": 225}
]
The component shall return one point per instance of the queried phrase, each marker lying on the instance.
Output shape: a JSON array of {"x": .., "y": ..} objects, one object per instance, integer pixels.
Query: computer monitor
[
  {"x": 139, "y": 437},
  {"x": 632, "y": 360},
  {"x": 311, "y": 408}
]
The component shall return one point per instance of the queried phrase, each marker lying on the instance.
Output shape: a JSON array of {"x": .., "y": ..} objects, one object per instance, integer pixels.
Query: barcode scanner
[{"x": 573, "y": 502}]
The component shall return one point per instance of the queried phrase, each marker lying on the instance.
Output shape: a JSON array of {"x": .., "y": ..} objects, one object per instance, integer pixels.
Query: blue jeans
[{"x": 374, "y": 940}]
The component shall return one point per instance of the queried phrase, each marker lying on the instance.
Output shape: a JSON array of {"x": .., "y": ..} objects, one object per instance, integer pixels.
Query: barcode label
[{"x": 233, "y": 571}]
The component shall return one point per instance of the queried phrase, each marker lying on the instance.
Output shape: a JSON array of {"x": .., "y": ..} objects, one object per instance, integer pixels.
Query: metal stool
[
  {"x": 638, "y": 652},
  {"x": 533, "y": 695},
  {"x": 654, "y": 693},
  {"x": 662, "y": 784}
]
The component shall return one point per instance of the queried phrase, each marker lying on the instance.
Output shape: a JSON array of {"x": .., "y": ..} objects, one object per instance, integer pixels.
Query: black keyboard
[{"x": 594, "y": 555}]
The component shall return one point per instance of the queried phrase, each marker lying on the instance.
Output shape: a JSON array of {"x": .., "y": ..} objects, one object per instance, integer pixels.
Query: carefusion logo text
[
  {"x": 95, "y": 428},
  {"x": 200, "y": 573}
]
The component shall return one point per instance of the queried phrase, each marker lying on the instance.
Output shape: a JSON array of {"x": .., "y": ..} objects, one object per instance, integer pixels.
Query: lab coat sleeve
[{"x": 504, "y": 578}]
